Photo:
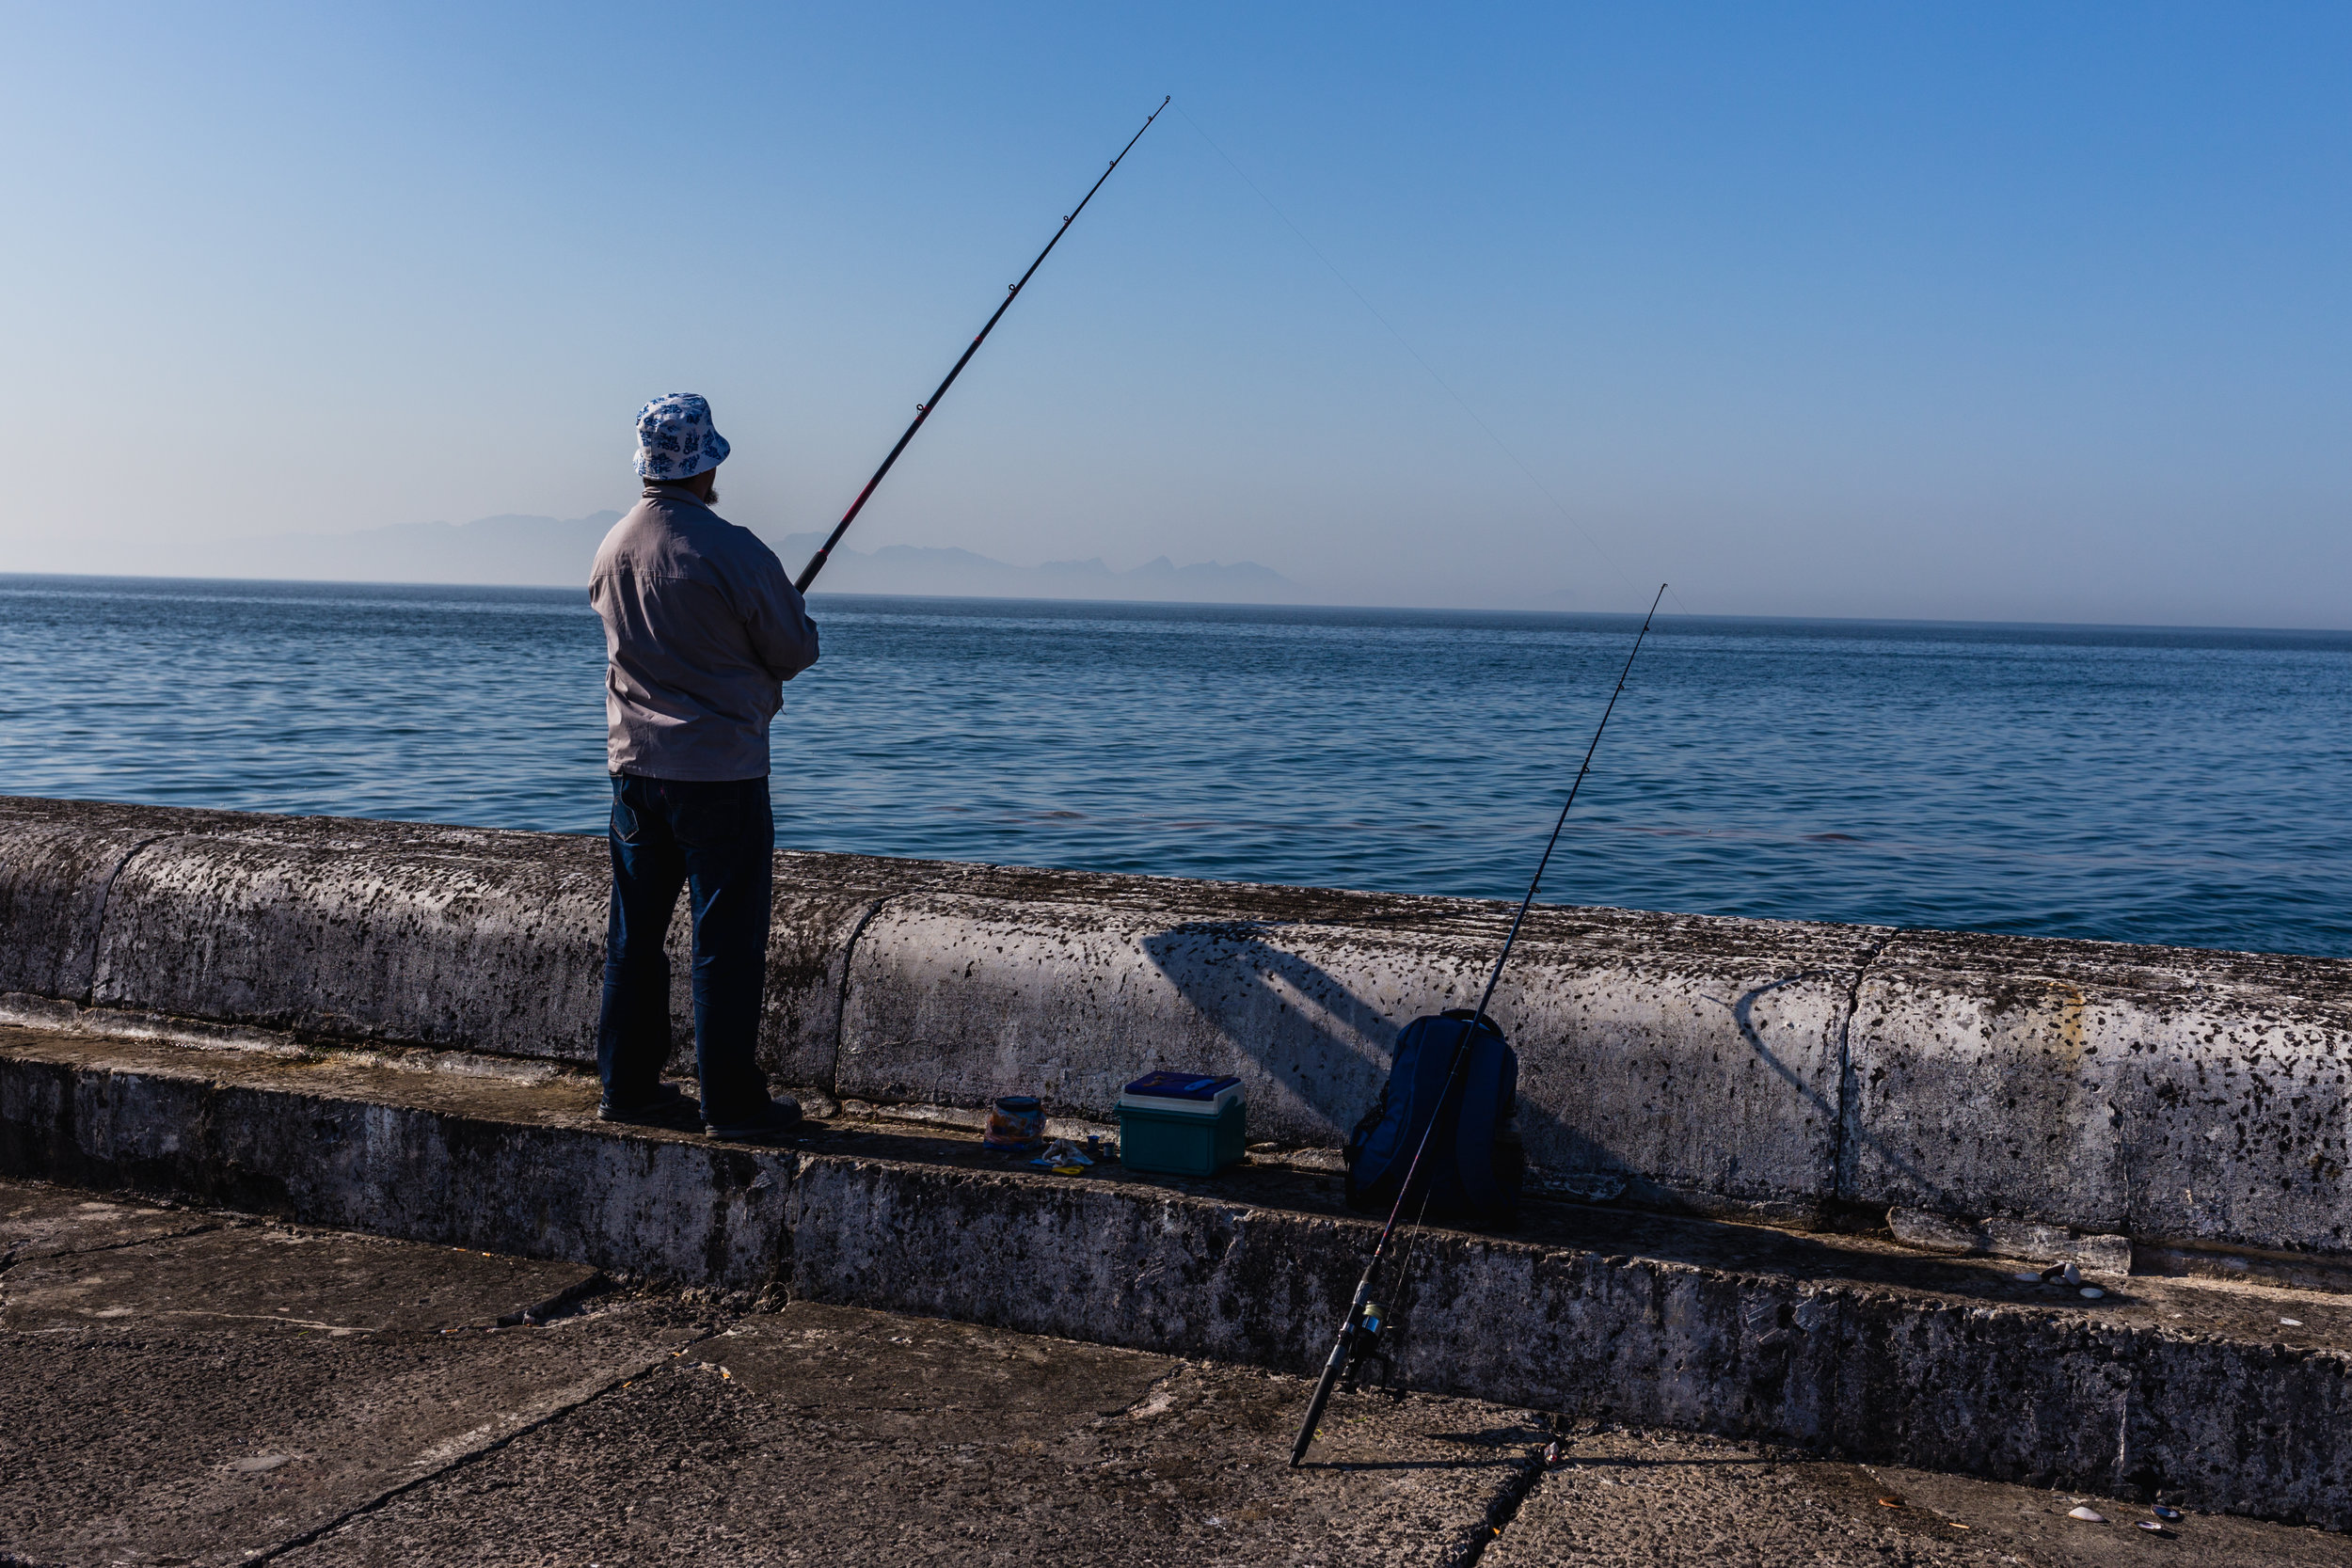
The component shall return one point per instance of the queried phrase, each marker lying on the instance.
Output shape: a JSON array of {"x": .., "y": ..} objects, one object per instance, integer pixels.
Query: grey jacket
[{"x": 701, "y": 628}]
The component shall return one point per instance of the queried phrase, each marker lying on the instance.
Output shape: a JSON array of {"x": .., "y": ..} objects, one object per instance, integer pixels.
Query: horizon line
[{"x": 1685, "y": 618}]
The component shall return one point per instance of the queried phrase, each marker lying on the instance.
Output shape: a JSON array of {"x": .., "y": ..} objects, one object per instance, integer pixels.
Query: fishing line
[
  {"x": 1403, "y": 1294},
  {"x": 1412, "y": 1239},
  {"x": 1501, "y": 444}
]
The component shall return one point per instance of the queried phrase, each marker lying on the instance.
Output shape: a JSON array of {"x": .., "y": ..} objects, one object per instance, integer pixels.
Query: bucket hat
[{"x": 674, "y": 439}]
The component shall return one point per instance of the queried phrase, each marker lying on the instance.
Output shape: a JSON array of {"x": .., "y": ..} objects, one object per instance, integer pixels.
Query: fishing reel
[{"x": 1364, "y": 1353}]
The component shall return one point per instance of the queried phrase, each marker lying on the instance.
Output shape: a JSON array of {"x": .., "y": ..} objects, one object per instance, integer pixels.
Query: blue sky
[{"x": 1987, "y": 311}]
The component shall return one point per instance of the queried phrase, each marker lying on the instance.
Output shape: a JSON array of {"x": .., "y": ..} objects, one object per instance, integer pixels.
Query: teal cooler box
[{"x": 1181, "y": 1123}]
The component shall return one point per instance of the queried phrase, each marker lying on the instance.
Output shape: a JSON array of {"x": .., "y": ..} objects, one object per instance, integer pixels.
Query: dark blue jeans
[{"x": 718, "y": 840}]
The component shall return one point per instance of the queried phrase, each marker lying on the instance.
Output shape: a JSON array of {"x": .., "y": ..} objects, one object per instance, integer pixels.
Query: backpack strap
[{"x": 1479, "y": 1113}]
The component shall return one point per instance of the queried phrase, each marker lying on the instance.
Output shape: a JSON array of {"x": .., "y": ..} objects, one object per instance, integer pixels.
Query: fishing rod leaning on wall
[
  {"x": 1359, "y": 1338},
  {"x": 924, "y": 410}
]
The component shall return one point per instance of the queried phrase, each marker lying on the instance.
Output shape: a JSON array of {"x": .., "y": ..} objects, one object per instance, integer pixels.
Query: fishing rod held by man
[
  {"x": 702, "y": 629},
  {"x": 929, "y": 405}
]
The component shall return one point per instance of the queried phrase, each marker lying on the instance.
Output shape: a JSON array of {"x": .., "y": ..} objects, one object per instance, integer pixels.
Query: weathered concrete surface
[
  {"x": 1654, "y": 1500},
  {"x": 408, "y": 933},
  {"x": 364, "y": 1405},
  {"x": 211, "y": 1401},
  {"x": 1847, "y": 1343},
  {"x": 58, "y": 859},
  {"x": 1699, "y": 1058},
  {"x": 396, "y": 1153},
  {"x": 366, "y": 931},
  {"x": 2030, "y": 1527},
  {"x": 2171, "y": 1095},
  {"x": 2024, "y": 1096},
  {"x": 2005, "y": 1237},
  {"x": 39, "y": 1220},
  {"x": 846, "y": 1436},
  {"x": 441, "y": 936},
  {"x": 328, "y": 1282},
  {"x": 207, "y": 1397},
  {"x": 1861, "y": 1350}
]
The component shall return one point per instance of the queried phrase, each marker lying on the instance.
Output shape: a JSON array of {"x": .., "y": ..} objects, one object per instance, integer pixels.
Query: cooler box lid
[{"x": 1189, "y": 1094}]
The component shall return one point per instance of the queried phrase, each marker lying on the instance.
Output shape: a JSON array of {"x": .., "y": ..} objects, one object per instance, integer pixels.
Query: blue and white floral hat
[{"x": 674, "y": 439}]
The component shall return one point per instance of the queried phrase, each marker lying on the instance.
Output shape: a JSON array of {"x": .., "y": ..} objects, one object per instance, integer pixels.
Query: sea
[{"x": 2126, "y": 784}]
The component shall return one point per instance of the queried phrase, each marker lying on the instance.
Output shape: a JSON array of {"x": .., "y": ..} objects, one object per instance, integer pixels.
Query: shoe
[
  {"x": 782, "y": 1114},
  {"x": 666, "y": 1100}
]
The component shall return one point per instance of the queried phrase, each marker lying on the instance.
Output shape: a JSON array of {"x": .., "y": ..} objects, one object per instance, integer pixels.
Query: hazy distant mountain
[
  {"x": 509, "y": 550},
  {"x": 915, "y": 569},
  {"x": 557, "y": 552}
]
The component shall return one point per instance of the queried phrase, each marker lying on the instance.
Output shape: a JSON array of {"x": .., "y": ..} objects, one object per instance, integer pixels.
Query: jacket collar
[{"x": 657, "y": 489}]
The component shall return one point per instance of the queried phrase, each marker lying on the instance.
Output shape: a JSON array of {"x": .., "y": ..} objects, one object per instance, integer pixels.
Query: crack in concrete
[
  {"x": 1505, "y": 1507},
  {"x": 98, "y": 915},
  {"x": 390, "y": 1495},
  {"x": 1840, "y": 1187},
  {"x": 10, "y": 1259},
  {"x": 841, "y": 998},
  {"x": 1155, "y": 1396}
]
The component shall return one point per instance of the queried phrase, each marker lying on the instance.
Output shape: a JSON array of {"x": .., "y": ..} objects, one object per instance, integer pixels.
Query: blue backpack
[{"x": 1475, "y": 1164}]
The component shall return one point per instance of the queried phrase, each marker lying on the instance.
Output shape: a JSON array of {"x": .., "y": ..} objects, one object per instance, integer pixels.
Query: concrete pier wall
[
  {"x": 2002, "y": 1093},
  {"x": 2212, "y": 1394}
]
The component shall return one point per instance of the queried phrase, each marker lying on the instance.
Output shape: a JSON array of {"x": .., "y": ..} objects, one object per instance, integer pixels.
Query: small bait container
[
  {"x": 1016, "y": 1125},
  {"x": 1182, "y": 1123}
]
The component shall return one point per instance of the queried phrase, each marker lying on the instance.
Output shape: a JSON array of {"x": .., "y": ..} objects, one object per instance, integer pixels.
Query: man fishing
[{"x": 702, "y": 627}]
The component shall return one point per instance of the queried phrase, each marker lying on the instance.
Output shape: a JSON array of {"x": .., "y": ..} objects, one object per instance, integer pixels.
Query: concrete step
[
  {"x": 2225, "y": 1396},
  {"x": 313, "y": 1396}
]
